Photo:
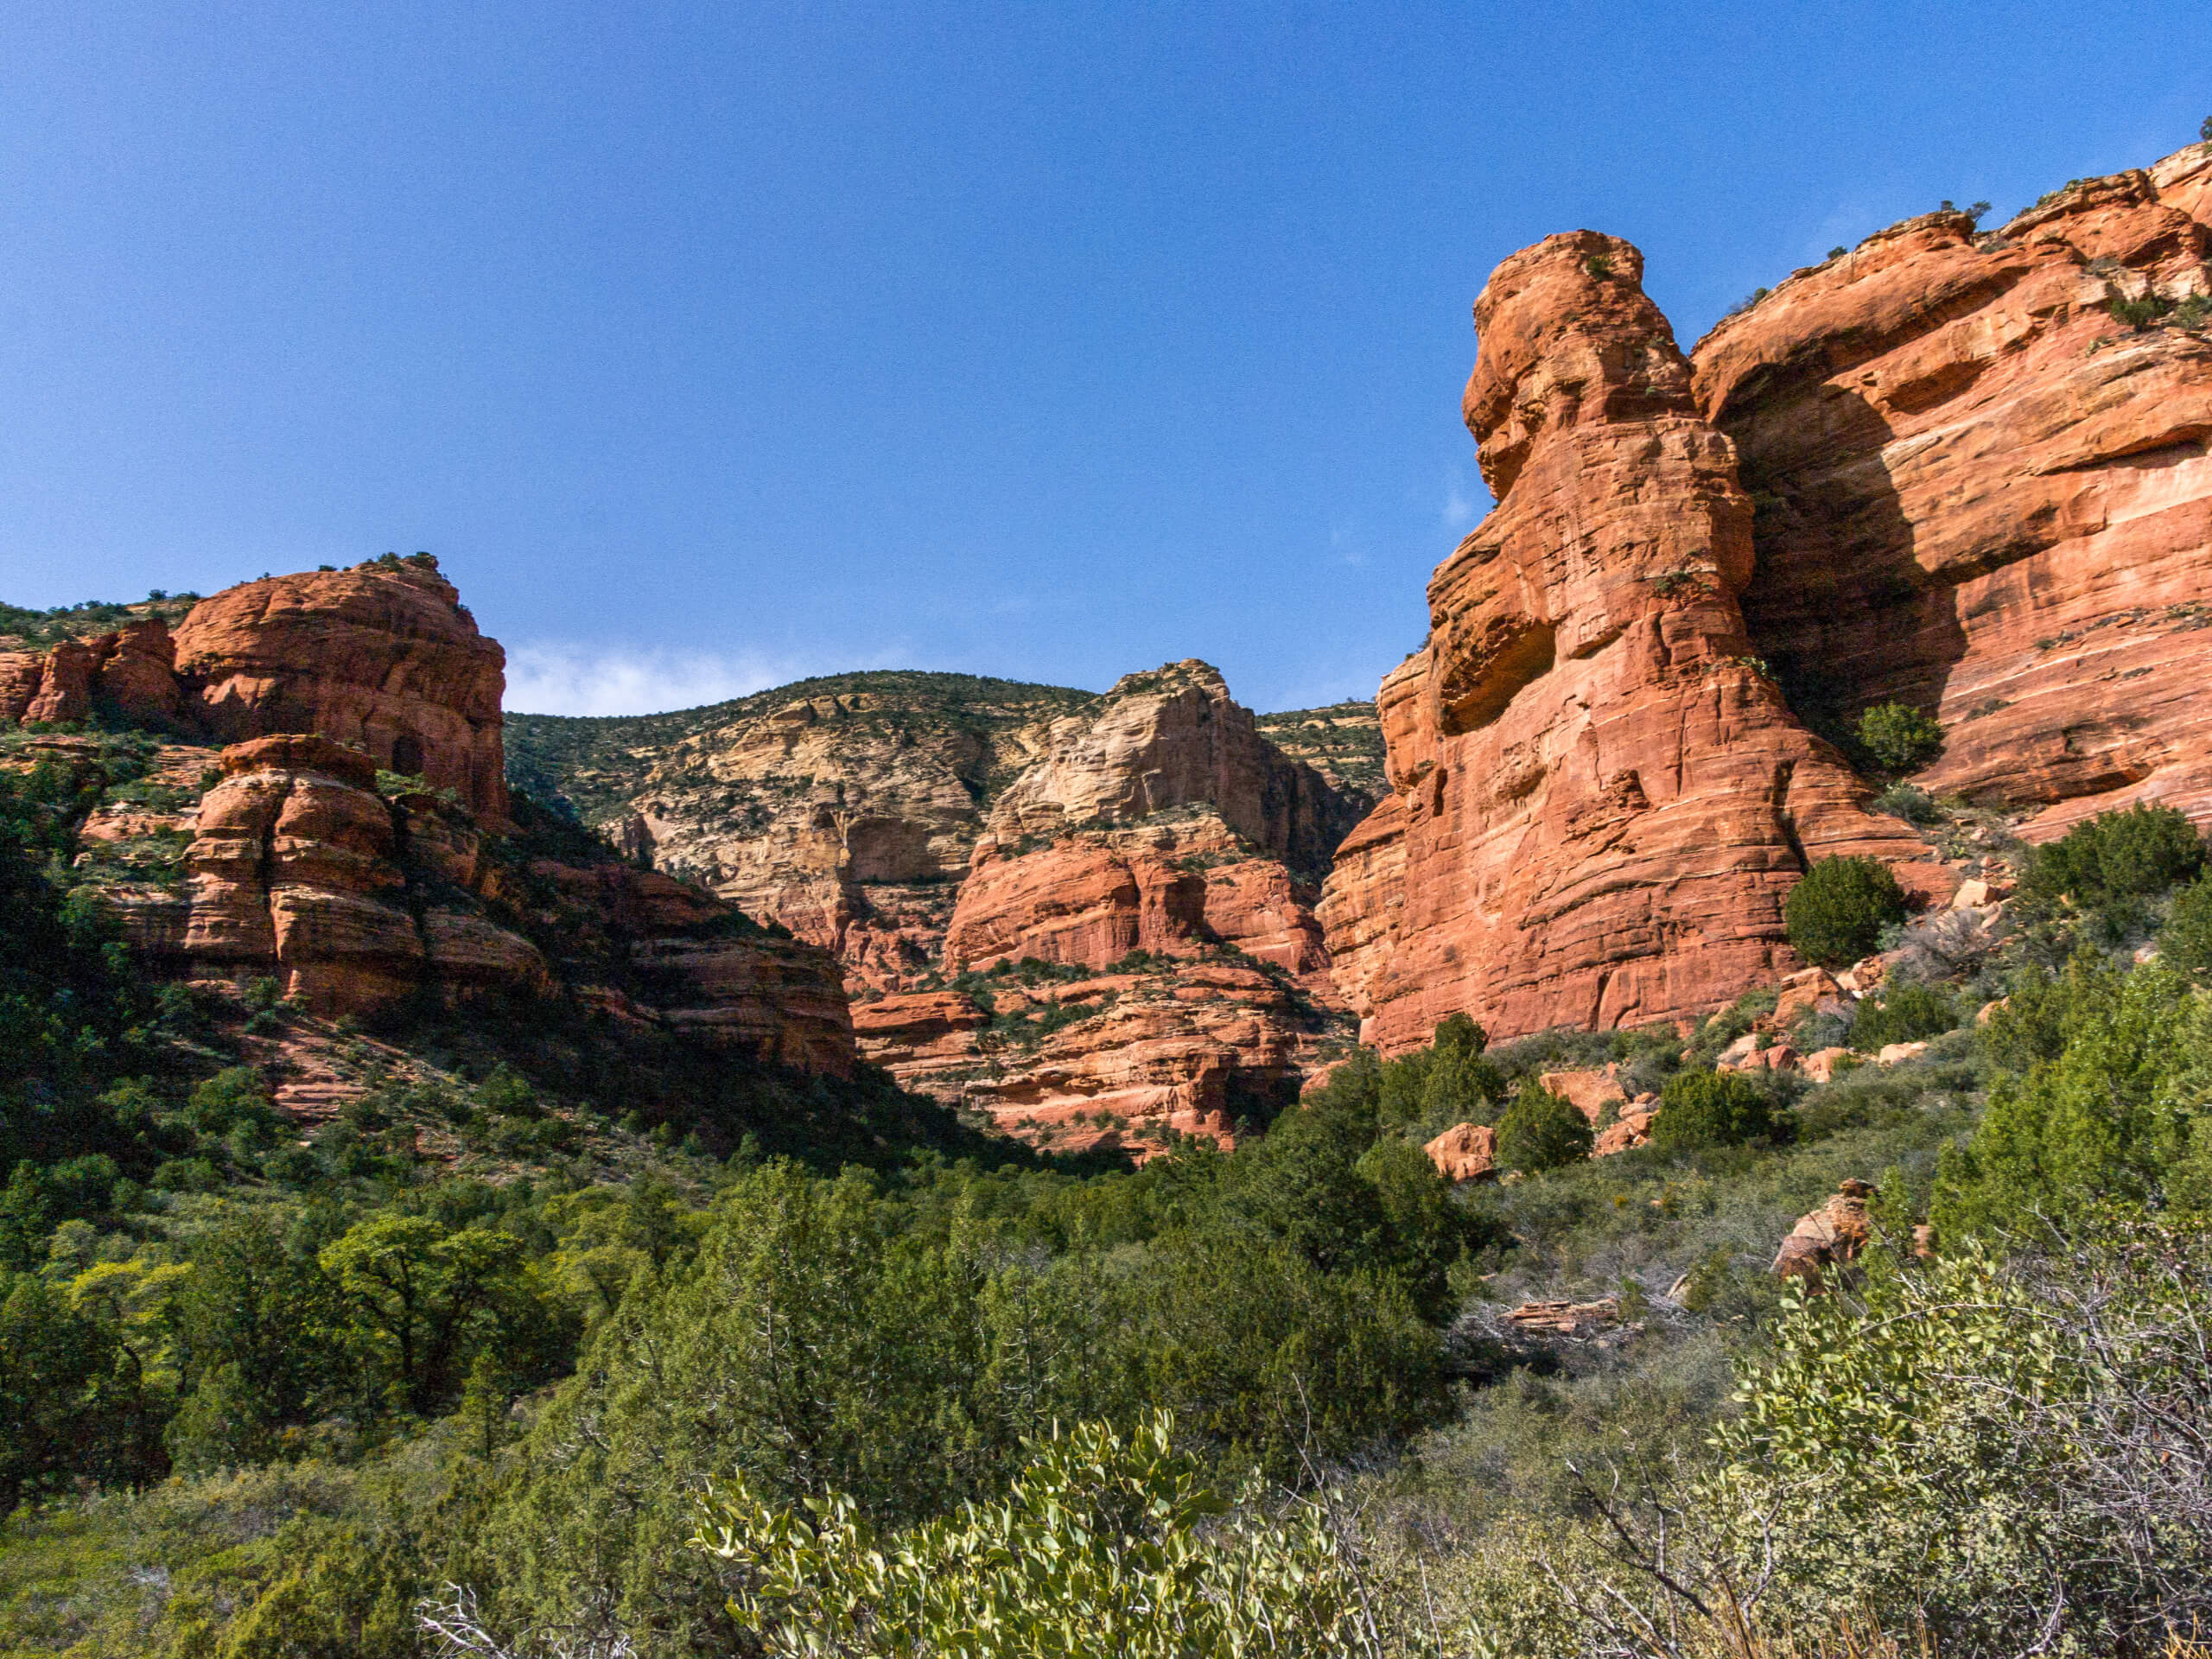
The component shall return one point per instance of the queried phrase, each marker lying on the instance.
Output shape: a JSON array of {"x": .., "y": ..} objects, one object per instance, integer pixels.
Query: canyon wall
[
  {"x": 1963, "y": 471},
  {"x": 293, "y": 854},
  {"x": 1601, "y": 797},
  {"x": 1978, "y": 493},
  {"x": 382, "y": 657}
]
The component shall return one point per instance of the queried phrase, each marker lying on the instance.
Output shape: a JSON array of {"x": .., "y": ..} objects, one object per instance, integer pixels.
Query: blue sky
[{"x": 714, "y": 346}]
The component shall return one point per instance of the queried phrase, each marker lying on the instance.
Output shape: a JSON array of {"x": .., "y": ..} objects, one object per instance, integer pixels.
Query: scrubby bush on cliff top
[{"x": 1836, "y": 913}]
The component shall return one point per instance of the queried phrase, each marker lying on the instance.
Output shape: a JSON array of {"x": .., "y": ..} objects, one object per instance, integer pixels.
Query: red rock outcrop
[
  {"x": 1170, "y": 887},
  {"x": 1980, "y": 494},
  {"x": 381, "y": 656},
  {"x": 294, "y": 872},
  {"x": 1830, "y": 1236},
  {"x": 1169, "y": 738},
  {"x": 1465, "y": 1152},
  {"x": 1601, "y": 798}
]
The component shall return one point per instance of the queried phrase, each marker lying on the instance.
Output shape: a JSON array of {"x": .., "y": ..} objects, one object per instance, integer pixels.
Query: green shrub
[
  {"x": 2186, "y": 941},
  {"x": 1710, "y": 1109},
  {"x": 1836, "y": 913},
  {"x": 1910, "y": 803},
  {"x": 2135, "y": 854},
  {"x": 1907, "y": 1014},
  {"x": 1116, "y": 1538},
  {"x": 1541, "y": 1130},
  {"x": 1899, "y": 736}
]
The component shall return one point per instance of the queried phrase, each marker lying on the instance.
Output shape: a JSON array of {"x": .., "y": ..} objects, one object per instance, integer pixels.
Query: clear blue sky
[{"x": 711, "y": 345}]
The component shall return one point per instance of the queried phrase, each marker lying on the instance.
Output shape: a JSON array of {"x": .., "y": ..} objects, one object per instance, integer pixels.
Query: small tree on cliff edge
[{"x": 1836, "y": 914}]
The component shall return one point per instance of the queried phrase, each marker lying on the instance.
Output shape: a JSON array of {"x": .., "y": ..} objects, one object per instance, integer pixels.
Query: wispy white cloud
[
  {"x": 1462, "y": 506},
  {"x": 567, "y": 679}
]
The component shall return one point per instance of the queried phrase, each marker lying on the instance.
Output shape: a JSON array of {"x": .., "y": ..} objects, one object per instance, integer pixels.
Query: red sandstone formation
[
  {"x": 1602, "y": 799},
  {"x": 302, "y": 873},
  {"x": 381, "y": 656},
  {"x": 1980, "y": 494},
  {"x": 1170, "y": 887},
  {"x": 131, "y": 673},
  {"x": 1170, "y": 827},
  {"x": 1465, "y": 1152}
]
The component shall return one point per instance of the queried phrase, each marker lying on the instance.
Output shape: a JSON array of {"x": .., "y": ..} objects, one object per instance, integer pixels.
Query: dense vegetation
[{"x": 272, "y": 1395}]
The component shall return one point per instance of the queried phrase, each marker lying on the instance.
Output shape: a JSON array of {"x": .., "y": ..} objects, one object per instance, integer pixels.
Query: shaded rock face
[
  {"x": 382, "y": 657},
  {"x": 130, "y": 673},
  {"x": 1600, "y": 799},
  {"x": 300, "y": 871},
  {"x": 1118, "y": 1060},
  {"x": 1167, "y": 826},
  {"x": 1980, "y": 494}
]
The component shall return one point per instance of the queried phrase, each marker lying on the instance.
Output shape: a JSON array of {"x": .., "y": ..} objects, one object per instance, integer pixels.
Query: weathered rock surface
[
  {"x": 380, "y": 657},
  {"x": 1980, "y": 494},
  {"x": 847, "y": 814},
  {"x": 1601, "y": 800},
  {"x": 1172, "y": 738},
  {"x": 1168, "y": 827},
  {"x": 1465, "y": 1152},
  {"x": 301, "y": 872},
  {"x": 1828, "y": 1237}
]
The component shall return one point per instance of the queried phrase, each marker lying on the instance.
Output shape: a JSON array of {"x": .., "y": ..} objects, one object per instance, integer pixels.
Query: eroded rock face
[
  {"x": 847, "y": 816},
  {"x": 1600, "y": 798},
  {"x": 1174, "y": 738},
  {"x": 1980, "y": 494},
  {"x": 130, "y": 673},
  {"x": 1118, "y": 1060},
  {"x": 1174, "y": 888},
  {"x": 381, "y": 657},
  {"x": 1829, "y": 1237},
  {"x": 300, "y": 872},
  {"x": 1157, "y": 820}
]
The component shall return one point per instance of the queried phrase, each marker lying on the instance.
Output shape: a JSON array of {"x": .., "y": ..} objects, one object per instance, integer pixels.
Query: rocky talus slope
[
  {"x": 1956, "y": 470},
  {"x": 304, "y": 855}
]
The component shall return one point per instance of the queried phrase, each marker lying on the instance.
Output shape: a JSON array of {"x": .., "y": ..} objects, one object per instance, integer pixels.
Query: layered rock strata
[
  {"x": 847, "y": 814},
  {"x": 300, "y": 871},
  {"x": 1979, "y": 493},
  {"x": 1151, "y": 876},
  {"x": 382, "y": 657},
  {"x": 1600, "y": 795}
]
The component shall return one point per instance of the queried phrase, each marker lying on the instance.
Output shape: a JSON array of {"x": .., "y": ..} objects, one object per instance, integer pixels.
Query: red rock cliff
[
  {"x": 1601, "y": 797},
  {"x": 382, "y": 657},
  {"x": 1978, "y": 493}
]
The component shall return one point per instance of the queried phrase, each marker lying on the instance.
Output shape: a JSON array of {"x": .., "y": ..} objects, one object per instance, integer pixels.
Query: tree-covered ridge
[
  {"x": 23, "y": 629},
  {"x": 1343, "y": 742},
  {"x": 596, "y": 764}
]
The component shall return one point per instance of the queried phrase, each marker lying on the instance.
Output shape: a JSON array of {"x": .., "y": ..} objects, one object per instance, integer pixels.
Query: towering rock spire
[{"x": 1601, "y": 797}]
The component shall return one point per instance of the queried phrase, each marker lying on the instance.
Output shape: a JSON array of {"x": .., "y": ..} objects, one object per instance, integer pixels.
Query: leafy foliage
[
  {"x": 1104, "y": 1542},
  {"x": 1906, "y": 1013},
  {"x": 1541, "y": 1130},
  {"x": 1836, "y": 913},
  {"x": 1711, "y": 1109},
  {"x": 2129, "y": 855},
  {"x": 1900, "y": 737}
]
